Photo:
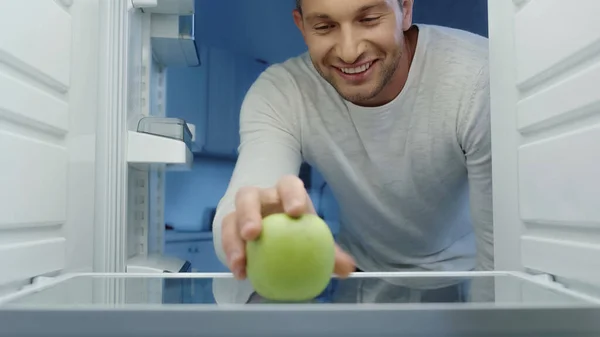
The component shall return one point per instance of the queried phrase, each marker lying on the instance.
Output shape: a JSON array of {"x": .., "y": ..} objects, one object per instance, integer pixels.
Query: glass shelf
[
  {"x": 190, "y": 288},
  {"x": 366, "y": 304}
]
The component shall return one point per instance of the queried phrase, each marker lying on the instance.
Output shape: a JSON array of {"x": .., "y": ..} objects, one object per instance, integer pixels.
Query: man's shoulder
[
  {"x": 295, "y": 78},
  {"x": 458, "y": 55},
  {"x": 296, "y": 65},
  {"x": 295, "y": 71},
  {"x": 465, "y": 51},
  {"x": 461, "y": 60},
  {"x": 456, "y": 40}
]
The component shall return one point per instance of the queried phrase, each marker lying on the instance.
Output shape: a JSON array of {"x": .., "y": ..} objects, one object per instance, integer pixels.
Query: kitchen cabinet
[
  {"x": 247, "y": 71},
  {"x": 204, "y": 258},
  {"x": 210, "y": 97},
  {"x": 195, "y": 247},
  {"x": 187, "y": 95},
  {"x": 182, "y": 250},
  {"x": 222, "y": 111},
  {"x": 229, "y": 76}
]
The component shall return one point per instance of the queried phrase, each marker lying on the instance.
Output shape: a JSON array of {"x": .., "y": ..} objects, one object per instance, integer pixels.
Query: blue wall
[
  {"x": 264, "y": 29},
  {"x": 470, "y": 15}
]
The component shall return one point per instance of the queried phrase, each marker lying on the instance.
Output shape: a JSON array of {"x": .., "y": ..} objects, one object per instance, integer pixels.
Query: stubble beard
[{"x": 384, "y": 77}]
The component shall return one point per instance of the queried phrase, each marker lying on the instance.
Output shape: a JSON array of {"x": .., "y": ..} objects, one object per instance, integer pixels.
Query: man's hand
[{"x": 252, "y": 205}]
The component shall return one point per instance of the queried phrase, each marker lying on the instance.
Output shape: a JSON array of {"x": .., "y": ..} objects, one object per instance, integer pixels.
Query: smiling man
[{"x": 396, "y": 117}]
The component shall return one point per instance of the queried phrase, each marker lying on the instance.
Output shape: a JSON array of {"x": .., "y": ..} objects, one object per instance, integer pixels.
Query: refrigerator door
[
  {"x": 546, "y": 138},
  {"x": 365, "y": 304}
]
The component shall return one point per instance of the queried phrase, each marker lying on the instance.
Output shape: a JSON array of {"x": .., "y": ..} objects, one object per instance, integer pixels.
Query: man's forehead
[{"x": 327, "y": 8}]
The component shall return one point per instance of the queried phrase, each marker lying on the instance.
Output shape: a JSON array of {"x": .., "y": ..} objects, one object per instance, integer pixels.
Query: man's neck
[{"x": 398, "y": 81}]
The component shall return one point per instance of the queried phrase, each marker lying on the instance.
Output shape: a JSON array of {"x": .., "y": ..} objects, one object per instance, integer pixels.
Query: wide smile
[{"x": 358, "y": 73}]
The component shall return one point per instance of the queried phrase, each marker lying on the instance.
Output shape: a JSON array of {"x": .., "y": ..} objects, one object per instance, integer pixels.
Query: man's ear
[
  {"x": 298, "y": 20},
  {"x": 407, "y": 14}
]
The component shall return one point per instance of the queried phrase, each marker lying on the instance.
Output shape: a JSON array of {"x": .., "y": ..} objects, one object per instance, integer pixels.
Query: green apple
[{"x": 293, "y": 258}]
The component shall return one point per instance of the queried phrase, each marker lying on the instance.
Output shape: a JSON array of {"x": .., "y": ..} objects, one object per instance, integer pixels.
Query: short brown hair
[{"x": 299, "y": 5}]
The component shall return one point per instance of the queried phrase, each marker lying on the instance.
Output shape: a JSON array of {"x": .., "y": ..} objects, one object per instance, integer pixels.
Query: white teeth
[{"x": 357, "y": 70}]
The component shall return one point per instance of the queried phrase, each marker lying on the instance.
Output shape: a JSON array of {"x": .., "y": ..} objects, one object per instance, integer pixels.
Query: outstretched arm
[
  {"x": 475, "y": 138},
  {"x": 269, "y": 141}
]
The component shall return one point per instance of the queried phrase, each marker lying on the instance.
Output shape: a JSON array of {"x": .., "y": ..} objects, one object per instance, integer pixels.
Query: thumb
[{"x": 344, "y": 263}]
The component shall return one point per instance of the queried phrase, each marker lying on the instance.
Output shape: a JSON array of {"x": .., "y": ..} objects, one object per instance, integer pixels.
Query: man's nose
[{"x": 350, "y": 46}]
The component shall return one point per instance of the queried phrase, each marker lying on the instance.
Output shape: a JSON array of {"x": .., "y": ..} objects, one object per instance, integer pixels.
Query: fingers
[
  {"x": 344, "y": 263},
  {"x": 251, "y": 205},
  {"x": 294, "y": 198},
  {"x": 270, "y": 202},
  {"x": 234, "y": 246},
  {"x": 248, "y": 212}
]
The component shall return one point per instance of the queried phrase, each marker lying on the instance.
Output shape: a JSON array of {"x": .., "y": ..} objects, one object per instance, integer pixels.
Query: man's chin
[
  {"x": 355, "y": 96},
  {"x": 355, "y": 93}
]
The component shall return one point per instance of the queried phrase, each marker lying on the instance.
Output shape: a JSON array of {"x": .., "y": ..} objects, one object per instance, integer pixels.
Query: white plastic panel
[
  {"x": 48, "y": 90},
  {"x": 558, "y": 178},
  {"x": 38, "y": 167},
  {"x": 546, "y": 136},
  {"x": 21, "y": 102},
  {"x": 138, "y": 84},
  {"x": 156, "y": 179},
  {"x": 565, "y": 100},
  {"x": 22, "y": 46},
  {"x": 544, "y": 48}
]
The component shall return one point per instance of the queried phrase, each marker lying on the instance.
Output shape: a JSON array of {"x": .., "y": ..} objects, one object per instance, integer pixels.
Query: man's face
[{"x": 356, "y": 45}]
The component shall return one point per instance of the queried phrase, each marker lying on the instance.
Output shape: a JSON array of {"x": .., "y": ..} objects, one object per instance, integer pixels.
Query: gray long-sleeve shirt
[{"x": 413, "y": 177}]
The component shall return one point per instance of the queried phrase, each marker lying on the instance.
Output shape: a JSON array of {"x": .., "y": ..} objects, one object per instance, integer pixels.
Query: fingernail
[
  {"x": 246, "y": 229},
  {"x": 293, "y": 205}
]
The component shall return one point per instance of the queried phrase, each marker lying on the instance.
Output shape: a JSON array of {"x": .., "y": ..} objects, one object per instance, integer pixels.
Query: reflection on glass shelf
[{"x": 128, "y": 289}]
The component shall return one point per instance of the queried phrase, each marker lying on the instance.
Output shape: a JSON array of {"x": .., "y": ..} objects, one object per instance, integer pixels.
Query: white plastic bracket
[
  {"x": 42, "y": 280},
  {"x": 546, "y": 279}
]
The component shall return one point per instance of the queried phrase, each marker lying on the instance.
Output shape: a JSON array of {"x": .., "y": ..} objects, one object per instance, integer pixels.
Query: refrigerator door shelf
[{"x": 144, "y": 149}]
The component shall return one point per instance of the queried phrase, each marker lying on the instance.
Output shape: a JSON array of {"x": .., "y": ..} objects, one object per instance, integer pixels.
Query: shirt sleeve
[
  {"x": 475, "y": 139},
  {"x": 270, "y": 145}
]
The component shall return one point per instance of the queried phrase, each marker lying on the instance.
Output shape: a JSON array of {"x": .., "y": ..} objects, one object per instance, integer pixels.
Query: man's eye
[
  {"x": 323, "y": 27},
  {"x": 370, "y": 19}
]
